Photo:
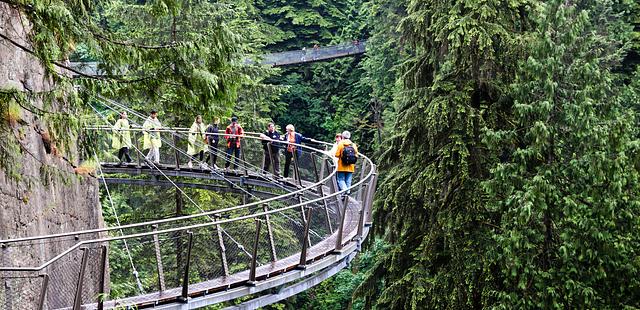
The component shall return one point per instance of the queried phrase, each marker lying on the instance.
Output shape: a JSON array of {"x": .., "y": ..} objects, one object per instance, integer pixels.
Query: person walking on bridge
[
  {"x": 197, "y": 143},
  {"x": 292, "y": 137},
  {"x": 233, "y": 134},
  {"x": 271, "y": 150},
  {"x": 347, "y": 154},
  {"x": 152, "y": 140},
  {"x": 213, "y": 138},
  {"x": 122, "y": 138}
]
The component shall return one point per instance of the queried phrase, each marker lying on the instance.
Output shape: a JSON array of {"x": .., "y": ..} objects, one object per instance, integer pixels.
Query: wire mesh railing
[{"x": 178, "y": 257}]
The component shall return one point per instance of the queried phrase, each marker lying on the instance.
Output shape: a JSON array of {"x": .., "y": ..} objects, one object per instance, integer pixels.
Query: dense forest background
[{"x": 506, "y": 131}]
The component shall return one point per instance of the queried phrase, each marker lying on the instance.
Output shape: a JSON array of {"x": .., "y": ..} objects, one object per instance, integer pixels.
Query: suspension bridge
[
  {"x": 285, "y": 236},
  {"x": 286, "y": 58}
]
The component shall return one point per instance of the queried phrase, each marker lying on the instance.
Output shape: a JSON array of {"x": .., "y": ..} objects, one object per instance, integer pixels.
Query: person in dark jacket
[
  {"x": 291, "y": 138},
  {"x": 271, "y": 150},
  {"x": 212, "y": 139}
]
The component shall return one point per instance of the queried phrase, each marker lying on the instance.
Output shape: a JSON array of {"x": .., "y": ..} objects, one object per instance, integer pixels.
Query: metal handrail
[
  {"x": 184, "y": 217},
  {"x": 184, "y": 228}
]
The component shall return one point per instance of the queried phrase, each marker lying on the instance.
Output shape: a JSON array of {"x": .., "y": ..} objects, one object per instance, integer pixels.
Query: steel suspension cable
[
  {"x": 298, "y": 223},
  {"x": 115, "y": 213},
  {"x": 177, "y": 187}
]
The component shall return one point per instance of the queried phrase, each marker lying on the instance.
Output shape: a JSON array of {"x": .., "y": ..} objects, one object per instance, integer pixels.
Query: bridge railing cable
[
  {"x": 215, "y": 171},
  {"x": 198, "y": 253}
]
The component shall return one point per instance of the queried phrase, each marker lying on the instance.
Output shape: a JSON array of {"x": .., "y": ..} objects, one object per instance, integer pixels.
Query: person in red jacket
[{"x": 233, "y": 133}]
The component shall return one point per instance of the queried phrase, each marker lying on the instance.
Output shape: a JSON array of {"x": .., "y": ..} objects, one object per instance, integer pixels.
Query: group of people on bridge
[{"x": 204, "y": 139}]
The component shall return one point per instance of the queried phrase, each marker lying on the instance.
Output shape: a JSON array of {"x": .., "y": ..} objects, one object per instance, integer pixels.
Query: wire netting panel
[
  {"x": 63, "y": 280},
  {"x": 239, "y": 238},
  {"x": 206, "y": 259},
  {"x": 319, "y": 225},
  {"x": 288, "y": 232},
  {"x": 92, "y": 275}
]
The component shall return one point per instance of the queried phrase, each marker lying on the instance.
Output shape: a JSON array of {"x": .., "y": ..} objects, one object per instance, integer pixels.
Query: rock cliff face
[{"x": 37, "y": 203}]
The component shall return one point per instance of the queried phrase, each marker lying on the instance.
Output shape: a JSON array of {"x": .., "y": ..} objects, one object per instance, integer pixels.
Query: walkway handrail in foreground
[
  {"x": 305, "y": 226},
  {"x": 184, "y": 217}
]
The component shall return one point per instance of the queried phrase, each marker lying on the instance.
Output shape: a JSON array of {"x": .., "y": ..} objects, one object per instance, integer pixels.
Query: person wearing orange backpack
[
  {"x": 347, "y": 154},
  {"x": 233, "y": 133}
]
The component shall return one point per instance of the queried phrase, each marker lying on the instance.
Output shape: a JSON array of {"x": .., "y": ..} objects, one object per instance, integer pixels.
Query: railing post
[
  {"x": 43, "y": 291},
  {"x": 296, "y": 170},
  {"x": 272, "y": 245},
  {"x": 333, "y": 187},
  {"x": 185, "y": 280},
  {"x": 302, "y": 215},
  {"x": 272, "y": 164},
  {"x": 254, "y": 254},
  {"x": 175, "y": 149},
  {"x": 305, "y": 241},
  {"x": 362, "y": 174},
  {"x": 103, "y": 277},
  {"x": 371, "y": 197},
  {"x": 242, "y": 148},
  {"x": 319, "y": 177},
  {"x": 77, "y": 301},
  {"x": 159, "y": 266},
  {"x": 135, "y": 138},
  {"x": 343, "y": 214},
  {"x": 223, "y": 249},
  {"x": 361, "y": 213}
]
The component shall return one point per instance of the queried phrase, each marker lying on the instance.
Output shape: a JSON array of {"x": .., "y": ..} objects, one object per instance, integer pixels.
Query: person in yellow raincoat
[
  {"x": 152, "y": 140},
  {"x": 122, "y": 138},
  {"x": 197, "y": 143}
]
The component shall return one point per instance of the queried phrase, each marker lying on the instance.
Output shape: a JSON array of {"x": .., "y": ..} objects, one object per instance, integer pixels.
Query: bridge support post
[
  {"x": 223, "y": 249},
  {"x": 159, "y": 265},
  {"x": 137, "y": 144},
  {"x": 77, "y": 301},
  {"x": 370, "y": 197},
  {"x": 272, "y": 245},
  {"x": 361, "y": 213},
  {"x": 323, "y": 169},
  {"x": 296, "y": 168},
  {"x": 43, "y": 291},
  {"x": 185, "y": 280},
  {"x": 271, "y": 162},
  {"x": 175, "y": 147},
  {"x": 242, "y": 148},
  {"x": 362, "y": 188},
  {"x": 254, "y": 255},
  {"x": 343, "y": 214},
  {"x": 305, "y": 241},
  {"x": 302, "y": 215},
  {"x": 103, "y": 276}
]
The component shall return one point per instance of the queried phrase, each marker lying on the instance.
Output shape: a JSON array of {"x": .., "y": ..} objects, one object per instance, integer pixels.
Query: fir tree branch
[
  {"x": 28, "y": 50},
  {"x": 134, "y": 45}
]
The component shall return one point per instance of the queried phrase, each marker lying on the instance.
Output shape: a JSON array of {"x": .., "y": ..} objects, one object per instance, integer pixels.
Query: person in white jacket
[
  {"x": 334, "y": 148},
  {"x": 197, "y": 143},
  {"x": 152, "y": 140}
]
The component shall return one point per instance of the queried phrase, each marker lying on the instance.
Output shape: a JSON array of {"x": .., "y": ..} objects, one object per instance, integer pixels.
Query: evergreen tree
[
  {"x": 512, "y": 176},
  {"x": 566, "y": 190},
  {"x": 431, "y": 205}
]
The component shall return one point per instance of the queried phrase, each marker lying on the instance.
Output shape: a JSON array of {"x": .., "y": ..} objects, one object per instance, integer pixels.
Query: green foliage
[
  {"x": 512, "y": 170},
  {"x": 336, "y": 292},
  {"x": 565, "y": 192}
]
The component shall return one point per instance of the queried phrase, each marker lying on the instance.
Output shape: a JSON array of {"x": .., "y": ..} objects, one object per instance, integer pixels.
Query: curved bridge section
[{"x": 286, "y": 235}]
